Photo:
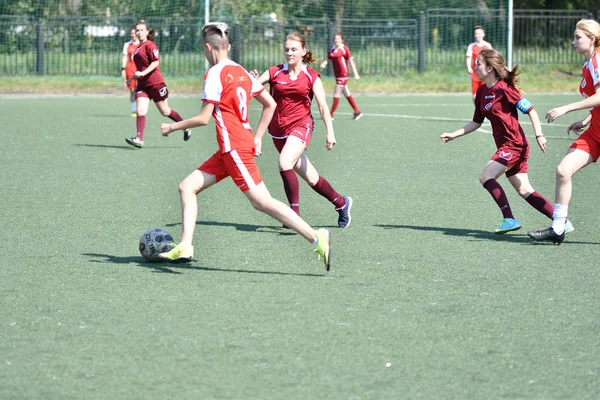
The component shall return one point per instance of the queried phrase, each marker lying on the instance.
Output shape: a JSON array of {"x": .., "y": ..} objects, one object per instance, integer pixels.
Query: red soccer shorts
[
  {"x": 588, "y": 142},
  {"x": 128, "y": 74},
  {"x": 341, "y": 81},
  {"x": 239, "y": 164},
  {"x": 304, "y": 133},
  {"x": 514, "y": 160},
  {"x": 156, "y": 93}
]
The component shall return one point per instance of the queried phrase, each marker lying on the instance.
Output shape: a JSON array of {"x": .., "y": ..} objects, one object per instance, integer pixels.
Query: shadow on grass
[
  {"x": 478, "y": 234},
  {"x": 123, "y": 147},
  {"x": 244, "y": 227},
  {"x": 473, "y": 233},
  {"x": 168, "y": 268}
]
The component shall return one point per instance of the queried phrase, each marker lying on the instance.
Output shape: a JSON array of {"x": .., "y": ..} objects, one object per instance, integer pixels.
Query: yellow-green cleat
[
  {"x": 323, "y": 246},
  {"x": 178, "y": 254}
]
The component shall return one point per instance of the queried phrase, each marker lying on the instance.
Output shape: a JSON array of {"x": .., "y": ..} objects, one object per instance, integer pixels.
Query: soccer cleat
[
  {"x": 323, "y": 246},
  {"x": 547, "y": 234},
  {"x": 135, "y": 141},
  {"x": 133, "y": 115},
  {"x": 357, "y": 116},
  {"x": 187, "y": 134},
  {"x": 508, "y": 224},
  {"x": 569, "y": 227},
  {"x": 178, "y": 254},
  {"x": 344, "y": 217}
]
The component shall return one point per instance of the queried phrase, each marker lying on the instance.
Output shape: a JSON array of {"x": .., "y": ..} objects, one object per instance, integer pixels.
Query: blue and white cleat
[
  {"x": 569, "y": 227},
  {"x": 508, "y": 224}
]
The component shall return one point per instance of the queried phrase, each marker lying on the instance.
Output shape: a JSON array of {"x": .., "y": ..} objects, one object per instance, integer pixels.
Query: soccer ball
[{"x": 155, "y": 241}]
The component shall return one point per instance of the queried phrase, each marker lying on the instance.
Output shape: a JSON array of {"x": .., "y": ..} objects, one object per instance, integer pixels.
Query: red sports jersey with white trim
[
  {"x": 587, "y": 88},
  {"x": 229, "y": 87},
  {"x": 293, "y": 97},
  {"x": 339, "y": 57},
  {"x": 474, "y": 49},
  {"x": 145, "y": 55},
  {"x": 498, "y": 105},
  {"x": 129, "y": 50}
]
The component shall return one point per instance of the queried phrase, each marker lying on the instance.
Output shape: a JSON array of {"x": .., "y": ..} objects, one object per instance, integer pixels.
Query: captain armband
[{"x": 524, "y": 105}]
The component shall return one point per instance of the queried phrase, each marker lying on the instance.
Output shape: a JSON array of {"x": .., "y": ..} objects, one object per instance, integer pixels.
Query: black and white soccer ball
[{"x": 155, "y": 241}]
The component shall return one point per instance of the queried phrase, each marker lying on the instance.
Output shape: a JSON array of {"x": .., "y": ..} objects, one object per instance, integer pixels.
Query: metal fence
[{"x": 82, "y": 46}]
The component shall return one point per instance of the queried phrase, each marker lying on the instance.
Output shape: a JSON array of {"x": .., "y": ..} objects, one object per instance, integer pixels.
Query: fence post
[
  {"x": 422, "y": 40},
  {"x": 328, "y": 40},
  {"x": 40, "y": 47}
]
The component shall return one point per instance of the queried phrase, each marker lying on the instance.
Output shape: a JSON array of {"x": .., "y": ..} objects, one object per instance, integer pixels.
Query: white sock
[
  {"x": 133, "y": 107},
  {"x": 559, "y": 218}
]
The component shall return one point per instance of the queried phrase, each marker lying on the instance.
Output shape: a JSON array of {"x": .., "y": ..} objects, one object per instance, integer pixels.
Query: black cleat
[
  {"x": 187, "y": 134},
  {"x": 357, "y": 116},
  {"x": 547, "y": 235}
]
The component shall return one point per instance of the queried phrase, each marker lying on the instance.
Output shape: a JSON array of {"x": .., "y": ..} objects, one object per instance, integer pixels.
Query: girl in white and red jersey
[
  {"x": 473, "y": 51},
  {"x": 128, "y": 68},
  {"x": 227, "y": 92},
  {"x": 293, "y": 86},
  {"x": 586, "y": 148},
  {"x": 150, "y": 84},
  {"x": 498, "y": 101},
  {"x": 340, "y": 57}
]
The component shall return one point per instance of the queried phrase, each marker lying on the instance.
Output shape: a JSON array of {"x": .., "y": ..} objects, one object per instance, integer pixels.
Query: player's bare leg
[
  {"x": 261, "y": 200},
  {"x": 189, "y": 188}
]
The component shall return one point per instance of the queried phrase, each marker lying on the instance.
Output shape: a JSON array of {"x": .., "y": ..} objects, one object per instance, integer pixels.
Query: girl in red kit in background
[
  {"x": 499, "y": 100},
  {"x": 150, "y": 84},
  {"x": 340, "y": 57}
]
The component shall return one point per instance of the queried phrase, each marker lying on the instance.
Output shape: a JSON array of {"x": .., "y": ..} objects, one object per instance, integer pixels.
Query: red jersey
[
  {"x": 146, "y": 54},
  {"x": 229, "y": 87},
  {"x": 473, "y": 51},
  {"x": 587, "y": 88},
  {"x": 339, "y": 57},
  {"x": 499, "y": 105},
  {"x": 293, "y": 97},
  {"x": 128, "y": 50}
]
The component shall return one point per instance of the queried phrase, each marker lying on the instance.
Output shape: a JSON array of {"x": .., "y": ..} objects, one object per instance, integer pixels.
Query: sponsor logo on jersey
[
  {"x": 488, "y": 106},
  {"x": 155, "y": 52},
  {"x": 583, "y": 82},
  {"x": 490, "y": 96}
]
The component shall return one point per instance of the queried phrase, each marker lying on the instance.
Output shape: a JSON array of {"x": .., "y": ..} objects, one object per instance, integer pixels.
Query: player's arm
[
  {"x": 468, "y": 128},
  {"x": 469, "y": 69},
  {"x": 199, "y": 120},
  {"x": 354, "y": 70},
  {"x": 578, "y": 126},
  {"x": 319, "y": 92},
  {"x": 268, "y": 109},
  {"x": 153, "y": 65},
  {"x": 537, "y": 129},
  {"x": 124, "y": 65},
  {"x": 590, "y": 102},
  {"x": 262, "y": 79}
]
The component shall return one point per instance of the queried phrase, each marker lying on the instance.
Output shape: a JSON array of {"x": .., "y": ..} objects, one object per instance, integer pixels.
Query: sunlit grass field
[{"x": 423, "y": 300}]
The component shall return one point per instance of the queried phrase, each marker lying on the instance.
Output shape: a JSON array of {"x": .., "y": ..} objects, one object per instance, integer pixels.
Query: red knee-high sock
[
  {"x": 175, "y": 116},
  {"x": 336, "y": 101},
  {"x": 353, "y": 104},
  {"x": 292, "y": 189},
  {"x": 326, "y": 190},
  {"x": 499, "y": 197},
  {"x": 140, "y": 124},
  {"x": 540, "y": 203}
]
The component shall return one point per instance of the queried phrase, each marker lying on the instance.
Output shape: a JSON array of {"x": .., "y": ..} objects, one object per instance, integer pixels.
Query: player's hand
[
  {"x": 254, "y": 74},
  {"x": 323, "y": 64},
  {"x": 166, "y": 129},
  {"x": 446, "y": 137},
  {"x": 541, "y": 141},
  {"x": 555, "y": 113},
  {"x": 123, "y": 74},
  {"x": 576, "y": 127},
  {"x": 257, "y": 147},
  {"x": 356, "y": 77},
  {"x": 329, "y": 141}
]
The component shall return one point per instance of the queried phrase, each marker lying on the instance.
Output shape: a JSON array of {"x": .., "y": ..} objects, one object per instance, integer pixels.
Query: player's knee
[{"x": 562, "y": 172}]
